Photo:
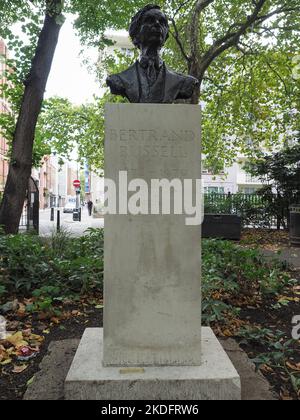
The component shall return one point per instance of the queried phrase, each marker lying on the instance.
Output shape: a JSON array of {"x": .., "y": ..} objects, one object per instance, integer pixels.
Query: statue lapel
[
  {"x": 173, "y": 85},
  {"x": 133, "y": 85}
]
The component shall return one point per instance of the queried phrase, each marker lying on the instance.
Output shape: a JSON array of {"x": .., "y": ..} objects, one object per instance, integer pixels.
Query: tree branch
[
  {"x": 176, "y": 36},
  {"x": 194, "y": 31},
  {"x": 180, "y": 7},
  {"x": 230, "y": 39},
  {"x": 282, "y": 9},
  {"x": 279, "y": 76}
]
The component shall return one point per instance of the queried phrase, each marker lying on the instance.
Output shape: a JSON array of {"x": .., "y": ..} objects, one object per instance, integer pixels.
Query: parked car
[{"x": 70, "y": 207}]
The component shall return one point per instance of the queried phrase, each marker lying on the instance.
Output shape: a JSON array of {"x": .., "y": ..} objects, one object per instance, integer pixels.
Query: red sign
[{"x": 76, "y": 183}]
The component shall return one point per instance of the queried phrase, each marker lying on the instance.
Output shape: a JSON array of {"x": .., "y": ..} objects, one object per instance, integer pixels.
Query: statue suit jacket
[{"x": 169, "y": 86}]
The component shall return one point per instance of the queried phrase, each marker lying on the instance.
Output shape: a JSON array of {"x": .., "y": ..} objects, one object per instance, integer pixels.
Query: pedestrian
[{"x": 90, "y": 207}]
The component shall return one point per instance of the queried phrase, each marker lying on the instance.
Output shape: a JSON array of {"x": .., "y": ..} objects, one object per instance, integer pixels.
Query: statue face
[{"x": 153, "y": 29}]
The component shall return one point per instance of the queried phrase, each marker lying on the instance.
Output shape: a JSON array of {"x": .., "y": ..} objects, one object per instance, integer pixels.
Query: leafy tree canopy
[
  {"x": 280, "y": 174},
  {"x": 65, "y": 127},
  {"x": 241, "y": 50},
  {"x": 281, "y": 171}
]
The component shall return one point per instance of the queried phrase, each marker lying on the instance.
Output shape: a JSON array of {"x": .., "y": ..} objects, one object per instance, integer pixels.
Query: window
[
  {"x": 248, "y": 190},
  {"x": 214, "y": 190}
]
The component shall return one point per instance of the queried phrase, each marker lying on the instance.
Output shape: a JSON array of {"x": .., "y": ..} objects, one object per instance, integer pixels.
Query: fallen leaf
[
  {"x": 10, "y": 306},
  {"x": 19, "y": 369},
  {"x": 55, "y": 320},
  {"x": 13, "y": 325},
  {"x": 36, "y": 337},
  {"x": 285, "y": 396},
  {"x": 30, "y": 381},
  {"x": 22, "y": 310},
  {"x": 76, "y": 313},
  {"x": 267, "y": 369},
  {"x": 293, "y": 367},
  {"x": 17, "y": 340},
  {"x": 5, "y": 362},
  {"x": 227, "y": 333}
]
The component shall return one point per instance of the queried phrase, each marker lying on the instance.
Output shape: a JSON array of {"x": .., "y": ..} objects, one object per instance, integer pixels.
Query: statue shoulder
[
  {"x": 117, "y": 82},
  {"x": 188, "y": 85},
  {"x": 187, "y": 80}
]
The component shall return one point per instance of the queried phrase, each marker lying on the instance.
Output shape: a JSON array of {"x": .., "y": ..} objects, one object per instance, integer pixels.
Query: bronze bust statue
[{"x": 148, "y": 80}]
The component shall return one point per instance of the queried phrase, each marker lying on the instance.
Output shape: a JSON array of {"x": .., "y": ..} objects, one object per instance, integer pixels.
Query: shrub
[
  {"x": 230, "y": 272},
  {"x": 60, "y": 264}
]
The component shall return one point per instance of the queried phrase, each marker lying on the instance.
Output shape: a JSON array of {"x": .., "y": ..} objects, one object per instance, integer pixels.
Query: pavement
[
  {"x": 48, "y": 383},
  {"x": 75, "y": 228}
]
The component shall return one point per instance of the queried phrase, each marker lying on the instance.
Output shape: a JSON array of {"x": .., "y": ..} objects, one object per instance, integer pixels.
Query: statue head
[{"x": 149, "y": 27}]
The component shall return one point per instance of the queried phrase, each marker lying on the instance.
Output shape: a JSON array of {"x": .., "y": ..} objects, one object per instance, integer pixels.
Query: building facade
[
  {"x": 233, "y": 179},
  {"x": 55, "y": 181}
]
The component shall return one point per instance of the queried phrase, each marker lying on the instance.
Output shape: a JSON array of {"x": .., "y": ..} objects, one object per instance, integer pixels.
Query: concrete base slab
[
  {"x": 215, "y": 379},
  {"x": 254, "y": 386},
  {"x": 48, "y": 383}
]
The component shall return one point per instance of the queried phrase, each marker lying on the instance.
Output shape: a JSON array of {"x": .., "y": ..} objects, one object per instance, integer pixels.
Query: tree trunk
[
  {"x": 194, "y": 71},
  {"x": 196, "y": 96},
  {"x": 21, "y": 159}
]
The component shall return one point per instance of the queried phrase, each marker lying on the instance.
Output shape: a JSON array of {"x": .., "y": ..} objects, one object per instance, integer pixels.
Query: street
[{"x": 66, "y": 222}]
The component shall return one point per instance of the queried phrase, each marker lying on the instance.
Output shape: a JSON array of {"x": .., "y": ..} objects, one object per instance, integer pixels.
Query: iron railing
[{"x": 255, "y": 210}]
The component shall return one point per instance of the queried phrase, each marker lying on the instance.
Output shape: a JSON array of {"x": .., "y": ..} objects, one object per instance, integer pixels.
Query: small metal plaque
[{"x": 125, "y": 371}]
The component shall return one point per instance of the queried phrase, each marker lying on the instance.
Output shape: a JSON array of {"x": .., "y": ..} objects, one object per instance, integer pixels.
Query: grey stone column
[{"x": 152, "y": 281}]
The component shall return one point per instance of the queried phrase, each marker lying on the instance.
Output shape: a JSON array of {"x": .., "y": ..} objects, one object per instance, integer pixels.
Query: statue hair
[{"x": 135, "y": 24}]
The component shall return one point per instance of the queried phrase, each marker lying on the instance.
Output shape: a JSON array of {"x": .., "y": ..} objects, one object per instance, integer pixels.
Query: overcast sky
[{"x": 68, "y": 77}]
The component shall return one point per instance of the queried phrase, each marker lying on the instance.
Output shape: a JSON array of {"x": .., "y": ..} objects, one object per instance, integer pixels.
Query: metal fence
[
  {"x": 29, "y": 220},
  {"x": 255, "y": 210}
]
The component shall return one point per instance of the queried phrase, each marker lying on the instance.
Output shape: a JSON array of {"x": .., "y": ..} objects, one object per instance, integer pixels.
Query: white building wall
[
  {"x": 63, "y": 184},
  {"x": 97, "y": 188},
  {"x": 233, "y": 180},
  {"x": 223, "y": 183}
]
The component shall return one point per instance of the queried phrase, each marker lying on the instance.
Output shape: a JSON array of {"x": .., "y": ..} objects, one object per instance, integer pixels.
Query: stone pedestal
[
  {"x": 215, "y": 379},
  {"x": 152, "y": 263},
  {"x": 151, "y": 346}
]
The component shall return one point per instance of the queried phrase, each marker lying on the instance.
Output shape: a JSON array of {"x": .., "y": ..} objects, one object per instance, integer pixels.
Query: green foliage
[
  {"x": 251, "y": 97},
  {"x": 254, "y": 104},
  {"x": 45, "y": 298},
  {"x": 23, "y": 266},
  {"x": 48, "y": 269},
  {"x": 64, "y": 127},
  {"x": 230, "y": 271},
  {"x": 232, "y": 276},
  {"x": 26, "y": 17},
  {"x": 279, "y": 349},
  {"x": 256, "y": 210},
  {"x": 63, "y": 264},
  {"x": 248, "y": 86},
  {"x": 281, "y": 172},
  {"x": 2, "y": 291}
]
